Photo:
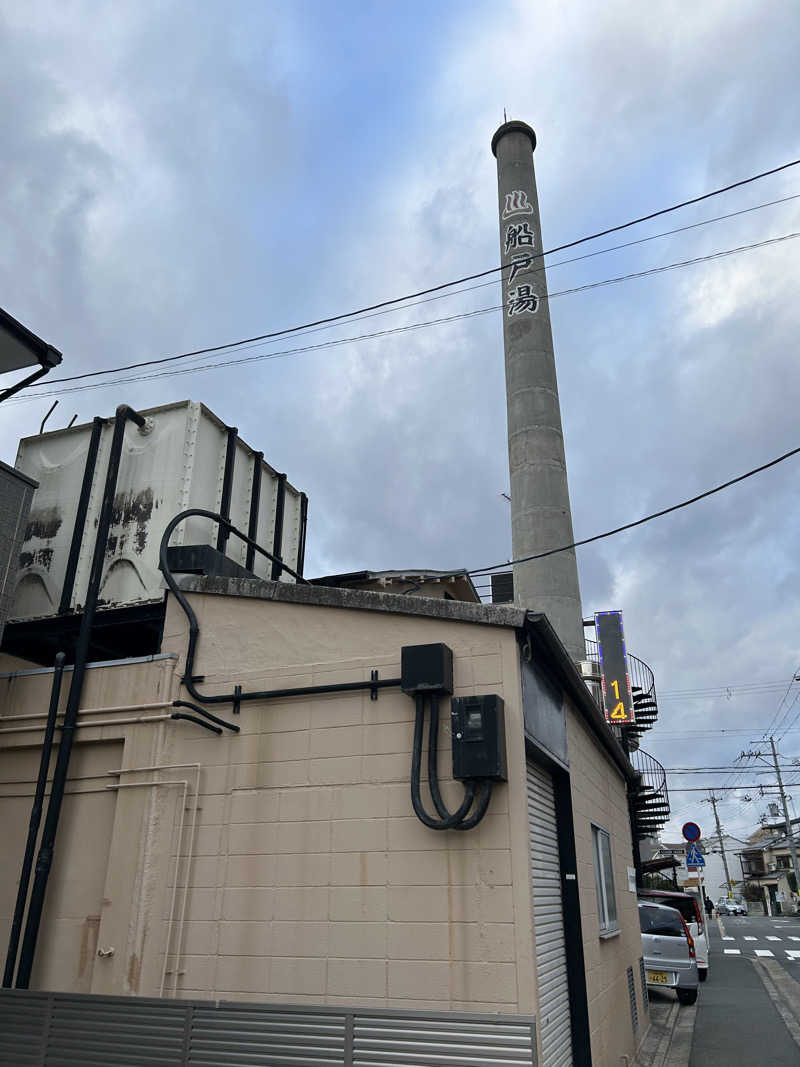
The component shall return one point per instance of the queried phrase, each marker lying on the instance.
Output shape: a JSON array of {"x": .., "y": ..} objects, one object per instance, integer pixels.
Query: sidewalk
[
  {"x": 739, "y": 1021},
  {"x": 669, "y": 1040},
  {"x": 748, "y": 1011}
]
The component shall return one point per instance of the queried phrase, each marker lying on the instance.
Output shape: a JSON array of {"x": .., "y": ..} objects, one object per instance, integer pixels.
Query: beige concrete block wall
[
  {"x": 107, "y": 835},
  {"x": 312, "y": 880},
  {"x": 599, "y": 796}
]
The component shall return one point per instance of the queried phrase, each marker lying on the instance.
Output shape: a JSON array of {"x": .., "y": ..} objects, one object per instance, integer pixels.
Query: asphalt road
[
  {"x": 758, "y": 937},
  {"x": 738, "y": 1020}
]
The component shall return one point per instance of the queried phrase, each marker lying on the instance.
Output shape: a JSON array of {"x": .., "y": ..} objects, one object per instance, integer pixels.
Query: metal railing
[
  {"x": 651, "y": 805},
  {"x": 643, "y": 686}
]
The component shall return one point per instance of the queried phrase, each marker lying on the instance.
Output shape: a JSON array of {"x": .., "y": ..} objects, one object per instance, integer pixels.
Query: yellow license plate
[{"x": 658, "y": 977}]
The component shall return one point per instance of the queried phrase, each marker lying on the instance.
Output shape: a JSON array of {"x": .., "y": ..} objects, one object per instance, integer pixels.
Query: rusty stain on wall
[
  {"x": 42, "y": 557},
  {"x": 43, "y": 523},
  {"x": 131, "y": 511},
  {"x": 89, "y": 931},
  {"x": 134, "y": 972}
]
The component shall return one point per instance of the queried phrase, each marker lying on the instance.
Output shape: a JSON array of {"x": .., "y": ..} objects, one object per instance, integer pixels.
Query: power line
[
  {"x": 718, "y": 788},
  {"x": 383, "y": 333},
  {"x": 778, "y": 718},
  {"x": 639, "y": 522},
  {"x": 726, "y": 694},
  {"x": 725, "y": 769},
  {"x": 794, "y": 720},
  {"x": 723, "y": 687},
  {"x": 446, "y": 285},
  {"x": 700, "y": 735}
]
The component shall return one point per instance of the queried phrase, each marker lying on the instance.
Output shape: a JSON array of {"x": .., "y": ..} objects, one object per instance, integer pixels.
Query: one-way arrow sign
[{"x": 694, "y": 857}]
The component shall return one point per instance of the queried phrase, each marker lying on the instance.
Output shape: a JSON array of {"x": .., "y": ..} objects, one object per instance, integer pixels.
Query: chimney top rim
[{"x": 510, "y": 127}]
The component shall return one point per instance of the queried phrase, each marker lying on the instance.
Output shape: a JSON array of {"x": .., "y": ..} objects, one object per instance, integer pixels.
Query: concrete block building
[{"x": 259, "y": 866}]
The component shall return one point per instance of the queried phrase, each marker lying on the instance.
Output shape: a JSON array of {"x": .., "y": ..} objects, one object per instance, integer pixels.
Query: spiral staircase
[{"x": 650, "y": 802}]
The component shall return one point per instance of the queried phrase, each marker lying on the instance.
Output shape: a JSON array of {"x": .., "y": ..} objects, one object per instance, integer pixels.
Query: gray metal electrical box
[{"x": 479, "y": 737}]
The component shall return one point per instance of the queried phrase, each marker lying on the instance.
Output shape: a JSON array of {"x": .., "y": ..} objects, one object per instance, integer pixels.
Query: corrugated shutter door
[{"x": 555, "y": 1033}]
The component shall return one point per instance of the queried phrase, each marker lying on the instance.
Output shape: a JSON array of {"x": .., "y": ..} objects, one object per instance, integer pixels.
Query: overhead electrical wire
[
  {"x": 729, "y": 687},
  {"x": 337, "y": 342},
  {"x": 669, "y": 737},
  {"x": 639, "y": 522},
  {"x": 719, "y": 788},
  {"x": 457, "y": 281},
  {"x": 794, "y": 720},
  {"x": 777, "y": 717},
  {"x": 727, "y": 770}
]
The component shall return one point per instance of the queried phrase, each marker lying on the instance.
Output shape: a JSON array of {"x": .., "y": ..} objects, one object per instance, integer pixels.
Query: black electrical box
[
  {"x": 426, "y": 669},
  {"x": 479, "y": 737}
]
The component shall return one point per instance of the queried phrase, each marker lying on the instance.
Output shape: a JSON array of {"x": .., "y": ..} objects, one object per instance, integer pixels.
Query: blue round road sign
[{"x": 691, "y": 831}]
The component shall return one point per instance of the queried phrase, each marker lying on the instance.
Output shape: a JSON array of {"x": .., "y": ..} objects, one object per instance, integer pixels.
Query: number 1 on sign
[{"x": 615, "y": 687}]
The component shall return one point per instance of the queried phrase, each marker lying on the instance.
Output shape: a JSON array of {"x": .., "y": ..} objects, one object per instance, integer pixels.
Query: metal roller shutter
[{"x": 555, "y": 1031}]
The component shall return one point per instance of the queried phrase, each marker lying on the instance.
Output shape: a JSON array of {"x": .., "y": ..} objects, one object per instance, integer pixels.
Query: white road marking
[
  {"x": 793, "y": 954},
  {"x": 793, "y": 938},
  {"x": 773, "y": 938},
  {"x": 755, "y": 939},
  {"x": 764, "y": 952},
  {"x": 729, "y": 939},
  {"x": 735, "y": 952}
]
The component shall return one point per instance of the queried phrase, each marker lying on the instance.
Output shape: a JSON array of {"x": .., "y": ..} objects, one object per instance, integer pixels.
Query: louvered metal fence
[{"x": 65, "y": 1030}]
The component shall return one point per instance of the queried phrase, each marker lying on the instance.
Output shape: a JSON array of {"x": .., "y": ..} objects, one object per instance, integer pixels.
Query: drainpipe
[
  {"x": 33, "y": 825},
  {"x": 80, "y": 518},
  {"x": 45, "y": 858}
]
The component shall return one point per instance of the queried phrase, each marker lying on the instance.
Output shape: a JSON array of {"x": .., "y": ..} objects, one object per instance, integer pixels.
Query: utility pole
[
  {"x": 712, "y": 800},
  {"x": 790, "y": 838}
]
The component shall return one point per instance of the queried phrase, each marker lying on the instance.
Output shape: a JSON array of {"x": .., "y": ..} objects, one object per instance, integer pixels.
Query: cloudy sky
[{"x": 177, "y": 175}]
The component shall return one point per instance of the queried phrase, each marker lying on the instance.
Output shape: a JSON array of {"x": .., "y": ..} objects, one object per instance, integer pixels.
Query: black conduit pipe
[
  {"x": 277, "y": 540},
  {"x": 227, "y": 487},
  {"x": 196, "y": 721},
  {"x": 433, "y": 768},
  {"x": 480, "y": 787},
  {"x": 301, "y": 548},
  {"x": 33, "y": 825},
  {"x": 205, "y": 714},
  {"x": 255, "y": 504},
  {"x": 80, "y": 518},
  {"x": 189, "y": 678},
  {"x": 37, "y": 374},
  {"x": 44, "y": 859}
]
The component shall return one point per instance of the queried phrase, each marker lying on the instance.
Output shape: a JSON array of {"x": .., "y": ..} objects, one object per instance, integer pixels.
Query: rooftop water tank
[{"x": 176, "y": 461}]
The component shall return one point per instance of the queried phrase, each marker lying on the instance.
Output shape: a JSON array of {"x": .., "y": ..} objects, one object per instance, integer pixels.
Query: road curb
[
  {"x": 783, "y": 991},
  {"x": 669, "y": 1040}
]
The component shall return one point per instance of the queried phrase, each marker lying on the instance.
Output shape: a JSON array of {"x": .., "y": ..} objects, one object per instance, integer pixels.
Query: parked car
[
  {"x": 728, "y": 906},
  {"x": 689, "y": 907},
  {"x": 668, "y": 950}
]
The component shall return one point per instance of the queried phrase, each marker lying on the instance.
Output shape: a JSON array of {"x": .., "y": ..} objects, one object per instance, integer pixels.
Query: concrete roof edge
[
  {"x": 18, "y": 474},
  {"x": 537, "y": 625},
  {"x": 355, "y": 599},
  {"x": 543, "y": 634}
]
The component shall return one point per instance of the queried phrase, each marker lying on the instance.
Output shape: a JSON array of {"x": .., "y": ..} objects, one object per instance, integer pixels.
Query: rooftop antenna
[{"x": 505, "y": 117}]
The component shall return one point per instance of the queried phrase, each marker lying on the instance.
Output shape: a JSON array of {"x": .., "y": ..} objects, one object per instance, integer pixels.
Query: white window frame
[{"x": 604, "y": 883}]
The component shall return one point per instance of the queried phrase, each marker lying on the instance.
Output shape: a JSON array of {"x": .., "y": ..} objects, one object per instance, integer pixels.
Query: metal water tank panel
[
  {"x": 16, "y": 494},
  {"x": 177, "y": 461}
]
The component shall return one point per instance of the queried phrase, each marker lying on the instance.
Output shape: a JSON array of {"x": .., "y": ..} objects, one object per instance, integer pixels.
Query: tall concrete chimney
[{"x": 540, "y": 511}]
